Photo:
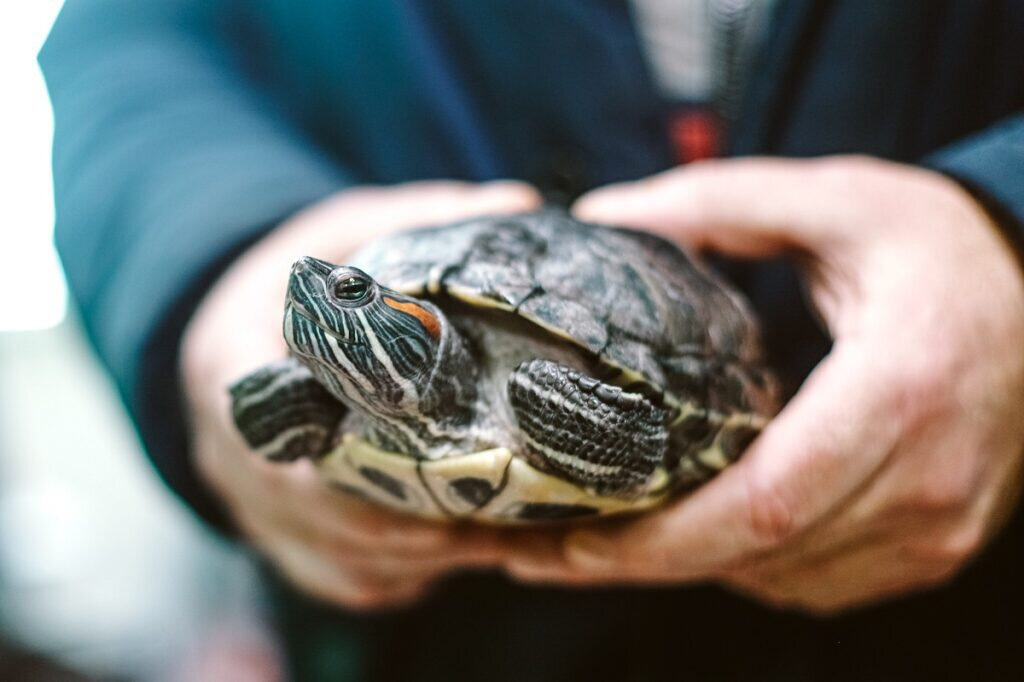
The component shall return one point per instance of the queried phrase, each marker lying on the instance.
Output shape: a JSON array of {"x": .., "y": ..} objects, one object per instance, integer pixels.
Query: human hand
[
  {"x": 902, "y": 452},
  {"x": 339, "y": 549}
]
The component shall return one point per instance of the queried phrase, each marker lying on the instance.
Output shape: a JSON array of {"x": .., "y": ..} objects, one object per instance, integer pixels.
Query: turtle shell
[
  {"x": 652, "y": 315},
  {"x": 656, "y": 322}
]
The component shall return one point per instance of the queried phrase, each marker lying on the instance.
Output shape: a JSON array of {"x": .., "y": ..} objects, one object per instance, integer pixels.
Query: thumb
[{"x": 747, "y": 208}]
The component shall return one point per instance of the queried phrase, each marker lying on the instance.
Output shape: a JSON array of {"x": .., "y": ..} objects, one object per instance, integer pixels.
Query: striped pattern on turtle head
[{"x": 392, "y": 357}]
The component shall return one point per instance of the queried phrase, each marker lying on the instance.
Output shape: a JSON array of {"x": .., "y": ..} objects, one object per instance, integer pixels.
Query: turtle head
[
  {"x": 350, "y": 306},
  {"x": 381, "y": 352}
]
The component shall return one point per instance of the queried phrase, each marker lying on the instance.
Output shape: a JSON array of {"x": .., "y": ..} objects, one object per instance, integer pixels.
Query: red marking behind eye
[{"x": 426, "y": 318}]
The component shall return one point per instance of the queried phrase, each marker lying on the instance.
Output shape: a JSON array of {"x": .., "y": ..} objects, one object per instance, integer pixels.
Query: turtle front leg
[
  {"x": 591, "y": 433},
  {"x": 284, "y": 413}
]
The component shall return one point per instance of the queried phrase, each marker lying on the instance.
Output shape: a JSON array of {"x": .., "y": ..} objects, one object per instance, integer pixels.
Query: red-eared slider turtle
[{"x": 511, "y": 368}]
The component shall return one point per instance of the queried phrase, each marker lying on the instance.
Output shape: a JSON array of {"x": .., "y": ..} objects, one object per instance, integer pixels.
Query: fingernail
[
  {"x": 513, "y": 191},
  {"x": 592, "y": 206}
]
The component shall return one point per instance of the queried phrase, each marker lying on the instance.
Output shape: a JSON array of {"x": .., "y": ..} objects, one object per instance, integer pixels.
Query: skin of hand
[
  {"x": 902, "y": 452},
  {"x": 336, "y": 548}
]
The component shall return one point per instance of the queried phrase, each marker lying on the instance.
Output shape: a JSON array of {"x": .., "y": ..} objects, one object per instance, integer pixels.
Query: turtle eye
[{"x": 351, "y": 288}]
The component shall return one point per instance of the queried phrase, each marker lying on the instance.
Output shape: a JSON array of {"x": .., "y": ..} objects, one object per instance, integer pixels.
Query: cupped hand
[
  {"x": 902, "y": 452},
  {"x": 338, "y": 549}
]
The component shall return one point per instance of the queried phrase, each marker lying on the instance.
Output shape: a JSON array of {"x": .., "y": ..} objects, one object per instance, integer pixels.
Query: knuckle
[
  {"x": 962, "y": 544},
  {"x": 921, "y": 390},
  {"x": 942, "y": 491},
  {"x": 946, "y": 554},
  {"x": 771, "y": 518},
  {"x": 928, "y": 381},
  {"x": 947, "y": 493}
]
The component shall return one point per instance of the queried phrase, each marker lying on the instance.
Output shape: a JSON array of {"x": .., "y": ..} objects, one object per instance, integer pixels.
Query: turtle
[{"x": 511, "y": 369}]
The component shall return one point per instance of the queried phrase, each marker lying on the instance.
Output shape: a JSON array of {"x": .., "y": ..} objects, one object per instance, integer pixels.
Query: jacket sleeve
[
  {"x": 990, "y": 164},
  {"x": 168, "y": 160}
]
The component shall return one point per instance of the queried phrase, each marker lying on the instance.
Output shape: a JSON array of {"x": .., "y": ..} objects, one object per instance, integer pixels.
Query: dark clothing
[{"x": 185, "y": 129}]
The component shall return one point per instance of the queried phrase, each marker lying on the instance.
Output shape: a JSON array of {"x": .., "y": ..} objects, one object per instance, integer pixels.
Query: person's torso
[{"x": 562, "y": 92}]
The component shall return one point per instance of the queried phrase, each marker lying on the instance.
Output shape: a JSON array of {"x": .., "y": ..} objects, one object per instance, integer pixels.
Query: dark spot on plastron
[
  {"x": 347, "y": 489},
  {"x": 735, "y": 439},
  {"x": 475, "y": 491},
  {"x": 549, "y": 511},
  {"x": 385, "y": 482}
]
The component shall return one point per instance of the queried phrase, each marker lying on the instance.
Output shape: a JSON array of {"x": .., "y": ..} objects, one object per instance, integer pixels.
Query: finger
[
  {"x": 394, "y": 567},
  {"x": 453, "y": 551},
  {"x": 384, "y": 209},
  {"x": 358, "y": 577},
  {"x": 507, "y": 195},
  {"x": 347, "y": 586},
  {"x": 751, "y": 208},
  {"x": 935, "y": 545},
  {"x": 846, "y": 578},
  {"x": 333, "y": 519},
  {"x": 423, "y": 567},
  {"x": 538, "y": 556},
  {"x": 444, "y": 201},
  {"x": 561, "y": 571},
  {"x": 363, "y": 527},
  {"x": 344, "y": 519},
  {"x": 544, "y": 558},
  {"x": 849, "y": 561},
  {"x": 562, "y": 574},
  {"x": 818, "y": 452}
]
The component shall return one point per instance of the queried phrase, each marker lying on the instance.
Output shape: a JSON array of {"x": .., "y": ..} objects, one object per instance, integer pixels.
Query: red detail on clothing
[{"x": 695, "y": 134}]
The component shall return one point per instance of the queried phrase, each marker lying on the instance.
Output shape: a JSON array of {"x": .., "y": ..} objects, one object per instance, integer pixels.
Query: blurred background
[{"x": 101, "y": 571}]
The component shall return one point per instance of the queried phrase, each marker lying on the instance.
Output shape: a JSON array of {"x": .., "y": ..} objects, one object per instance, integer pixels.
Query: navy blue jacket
[{"x": 185, "y": 129}]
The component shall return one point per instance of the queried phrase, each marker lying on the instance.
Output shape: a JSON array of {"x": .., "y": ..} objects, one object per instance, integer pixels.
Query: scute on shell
[{"x": 489, "y": 486}]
